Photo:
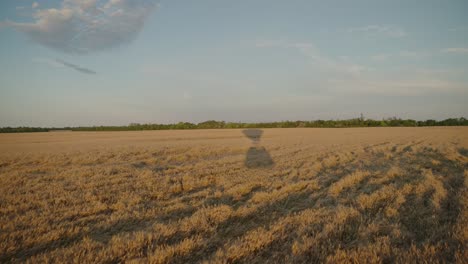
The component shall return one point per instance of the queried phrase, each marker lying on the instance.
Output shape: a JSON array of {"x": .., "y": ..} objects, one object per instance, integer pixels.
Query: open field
[{"x": 272, "y": 195}]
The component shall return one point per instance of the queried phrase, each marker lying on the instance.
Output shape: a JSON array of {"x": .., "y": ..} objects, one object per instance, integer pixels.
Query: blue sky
[{"x": 113, "y": 62}]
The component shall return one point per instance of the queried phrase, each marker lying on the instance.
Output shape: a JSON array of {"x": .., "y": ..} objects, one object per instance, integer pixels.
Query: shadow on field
[{"x": 257, "y": 156}]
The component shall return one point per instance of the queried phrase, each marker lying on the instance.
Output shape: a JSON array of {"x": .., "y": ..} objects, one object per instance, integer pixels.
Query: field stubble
[{"x": 216, "y": 196}]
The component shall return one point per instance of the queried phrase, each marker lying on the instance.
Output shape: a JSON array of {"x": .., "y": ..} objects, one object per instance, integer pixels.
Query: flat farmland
[{"x": 235, "y": 196}]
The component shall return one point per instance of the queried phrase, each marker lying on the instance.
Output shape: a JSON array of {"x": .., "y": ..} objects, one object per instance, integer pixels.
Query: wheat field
[{"x": 355, "y": 195}]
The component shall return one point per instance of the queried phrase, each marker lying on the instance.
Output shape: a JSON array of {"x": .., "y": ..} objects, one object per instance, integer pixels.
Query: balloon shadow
[{"x": 257, "y": 156}]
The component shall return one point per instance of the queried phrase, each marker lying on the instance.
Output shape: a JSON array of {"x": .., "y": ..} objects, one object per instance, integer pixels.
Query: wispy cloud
[
  {"x": 61, "y": 64},
  {"x": 282, "y": 44},
  {"x": 49, "y": 62},
  {"x": 381, "y": 56},
  {"x": 456, "y": 50},
  {"x": 406, "y": 86},
  {"x": 344, "y": 77},
  {"x": 84, "y": 26},
  {"x": 186, "y": 95},
  {"x": 383, "y": 30},
  {"x": 401, "y": 54},
  {"x": 268, "y": 43},
  {"x": 315, "y": 56},
  {"x": 458, "y": 29},
  {"x": 75, "y": 67}
]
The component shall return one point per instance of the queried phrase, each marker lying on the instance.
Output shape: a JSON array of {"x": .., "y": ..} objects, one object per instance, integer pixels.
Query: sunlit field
[{"x": 237, "y": 196}]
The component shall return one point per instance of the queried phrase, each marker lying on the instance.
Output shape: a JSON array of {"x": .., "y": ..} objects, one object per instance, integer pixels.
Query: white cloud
[
  {"x": 84, "y": 26},
  {"x": 384, "y": 30},
  {"x": 455, "y": 50}
]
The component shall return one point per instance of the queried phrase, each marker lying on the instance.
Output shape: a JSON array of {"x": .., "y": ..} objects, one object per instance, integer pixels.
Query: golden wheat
[{"x": 298, "y": 196}]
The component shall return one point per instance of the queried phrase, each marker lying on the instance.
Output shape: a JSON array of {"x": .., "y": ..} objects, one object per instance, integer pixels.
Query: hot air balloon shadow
[{"x": 257, "y": 156}]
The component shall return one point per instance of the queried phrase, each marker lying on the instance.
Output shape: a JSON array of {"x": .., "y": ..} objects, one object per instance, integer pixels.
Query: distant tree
[
  {"x": 356, "y": 122},
  {"x": 211, "y": 124}
]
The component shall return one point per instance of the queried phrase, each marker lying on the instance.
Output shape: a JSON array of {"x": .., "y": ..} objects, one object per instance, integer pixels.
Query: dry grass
[
  {"x": 347, "y": 182},
  {"x": 325, "y": 195}
]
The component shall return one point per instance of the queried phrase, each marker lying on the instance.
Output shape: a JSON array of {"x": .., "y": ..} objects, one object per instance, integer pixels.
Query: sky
[{"x": 115, "y": 62}]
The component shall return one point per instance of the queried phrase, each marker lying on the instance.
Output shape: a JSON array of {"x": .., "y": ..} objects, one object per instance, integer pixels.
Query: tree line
[{"x": 212, "y": 124}]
